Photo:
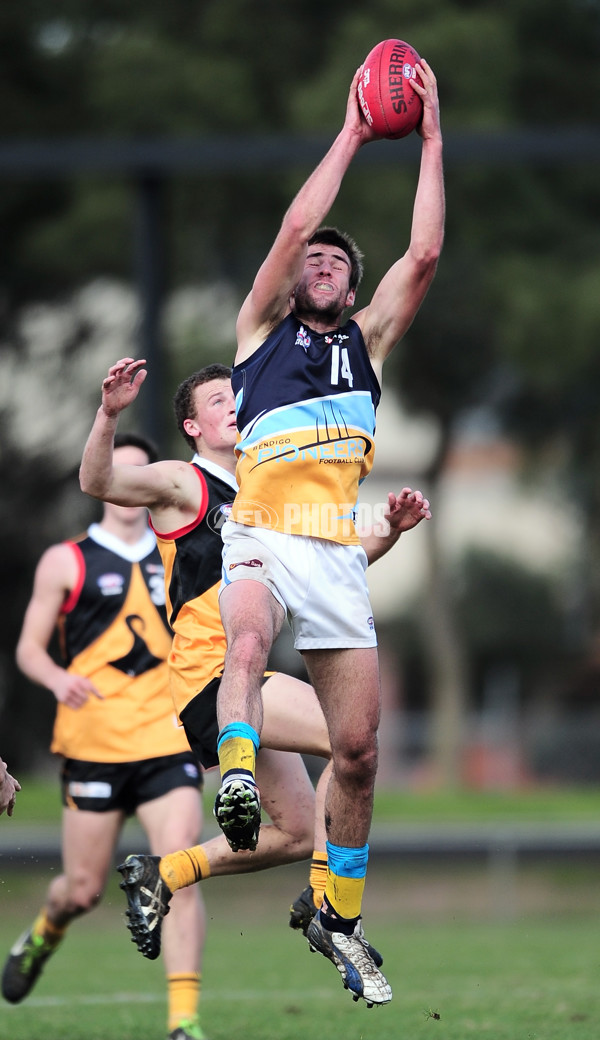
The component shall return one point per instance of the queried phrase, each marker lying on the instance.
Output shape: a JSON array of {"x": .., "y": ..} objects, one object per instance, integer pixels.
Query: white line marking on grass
[
  {"x": 92, "y": 998},
  {"x": 157, "y": 998}
]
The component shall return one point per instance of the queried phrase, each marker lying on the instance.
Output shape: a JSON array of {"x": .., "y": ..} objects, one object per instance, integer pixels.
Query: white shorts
[{"x": 320, "y": 584}]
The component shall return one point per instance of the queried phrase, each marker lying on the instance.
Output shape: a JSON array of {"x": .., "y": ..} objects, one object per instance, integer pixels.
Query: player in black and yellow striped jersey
[
  {"x": 116, "y": 731},
  {"x": 188, "y": 503}
]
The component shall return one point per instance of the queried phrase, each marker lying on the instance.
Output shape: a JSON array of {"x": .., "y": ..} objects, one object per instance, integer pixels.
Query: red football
[{"x": 387, "y": 100}]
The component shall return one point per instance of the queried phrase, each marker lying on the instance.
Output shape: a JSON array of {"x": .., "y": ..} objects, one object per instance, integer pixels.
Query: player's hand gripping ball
[{"x": 388, "y": 102}]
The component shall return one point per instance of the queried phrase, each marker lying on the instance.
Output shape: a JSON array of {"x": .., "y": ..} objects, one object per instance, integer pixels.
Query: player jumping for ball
[
  {"x": 187, "y": 502},
  {"x": 307, "y": 387}
]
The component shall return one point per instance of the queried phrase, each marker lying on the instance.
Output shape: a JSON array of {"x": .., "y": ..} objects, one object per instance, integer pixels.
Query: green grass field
[
  {"x": 39, "y": 802},
  {"x": 532, "y": 978},
  {"x": 506, "y": 964}
]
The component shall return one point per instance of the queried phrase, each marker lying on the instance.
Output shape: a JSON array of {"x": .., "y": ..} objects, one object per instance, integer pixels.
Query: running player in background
[{"x": 123, "y": 752}]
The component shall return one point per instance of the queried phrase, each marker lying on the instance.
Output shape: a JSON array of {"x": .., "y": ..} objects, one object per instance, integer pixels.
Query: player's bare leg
[
  {"x": 88, "y": 842},
  {"x": 252, "y": 618},
  {"x": 347, "y": 683},
  {"x": 149, "y": 881},
  {"x": 293, "y": 720},
  {"x": 171, "y": 822}
]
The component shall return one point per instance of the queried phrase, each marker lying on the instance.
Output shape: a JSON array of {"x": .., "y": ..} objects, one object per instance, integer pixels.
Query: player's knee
[
  {"x": 84, "y": 894},
  {"x": 355, "y": 762},
  {"x": 249, "y": 650}
]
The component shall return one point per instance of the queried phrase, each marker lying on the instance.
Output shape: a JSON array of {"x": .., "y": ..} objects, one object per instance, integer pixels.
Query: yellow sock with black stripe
[
  {"x": 346, "y": 876},
  {"x": 44, "y": 929},
  {"x": 237, "y": 746},
  {"x": 183, "y": 993},
  {"x": 317, "y": 878},
  {"x": 184, "y": 868}
]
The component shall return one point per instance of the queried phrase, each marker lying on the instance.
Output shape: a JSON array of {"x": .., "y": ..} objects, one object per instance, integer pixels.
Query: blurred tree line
[{"x": 509, "y": 325}]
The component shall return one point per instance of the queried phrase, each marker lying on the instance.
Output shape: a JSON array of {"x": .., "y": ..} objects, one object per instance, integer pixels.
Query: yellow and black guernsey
[
  {"x": 113, "y": 630},
  {"x": 305, "y": 407},
  {"x": 192, "y": 559}
]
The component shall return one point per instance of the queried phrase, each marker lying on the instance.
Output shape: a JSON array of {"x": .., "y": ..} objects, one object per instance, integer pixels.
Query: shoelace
[
  {"x": 353, "y": 946},
  {"x": 153, "y": 907}
]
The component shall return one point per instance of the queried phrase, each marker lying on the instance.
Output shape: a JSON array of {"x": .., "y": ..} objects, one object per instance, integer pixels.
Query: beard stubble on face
[{"x": 312, "y": 311}]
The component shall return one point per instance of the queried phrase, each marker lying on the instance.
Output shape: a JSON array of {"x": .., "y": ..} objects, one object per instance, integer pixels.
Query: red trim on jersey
[
  {"x": 72, "y": 598},
  {"x": 172, "y": 535}
]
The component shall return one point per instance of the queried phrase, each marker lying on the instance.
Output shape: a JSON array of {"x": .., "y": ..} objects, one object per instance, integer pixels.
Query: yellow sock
[
  {"x": 318, "y": 876},
  {"x": 184, "y": 868},
  {"x": 346, "y": 876},
  {"x": 237, "y": 753},
  {"x": 184, "y": 993},
  {"x": 344, "y": 894},
  {"x": 49, "y": 932}
]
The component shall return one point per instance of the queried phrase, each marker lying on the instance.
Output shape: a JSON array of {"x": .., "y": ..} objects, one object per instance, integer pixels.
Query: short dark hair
[
  {"x": 331, "y": 236},
  {"x": 183, "y": 401},
  {"x": 137, "y": 440}
]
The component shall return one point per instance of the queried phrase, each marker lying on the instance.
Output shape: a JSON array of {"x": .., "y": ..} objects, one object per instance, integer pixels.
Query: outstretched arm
[
  {"x": 404, "y": 512},
  {"x": 269, "y": 299},
  {"x": 402, "y": 290},
  {"x": 170, "y": 490}
]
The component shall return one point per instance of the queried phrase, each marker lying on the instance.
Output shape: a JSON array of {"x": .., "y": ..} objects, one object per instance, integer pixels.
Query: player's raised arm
[
  {"x": 269, "y": 299},
  {"x": 402, "y": 290},
  {"x": 98, "y": 476},
  {"x": 161, "y": 486}
]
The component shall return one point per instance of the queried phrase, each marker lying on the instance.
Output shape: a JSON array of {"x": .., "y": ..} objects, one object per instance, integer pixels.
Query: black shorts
[
  {"x": 105, "y": 786},
  {"x": 199, "y": 720}
]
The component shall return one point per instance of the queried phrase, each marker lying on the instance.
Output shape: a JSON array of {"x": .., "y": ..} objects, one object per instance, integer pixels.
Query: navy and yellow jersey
[
  {"x": 305, "y": 407},
  {"x": 113, "y": 630},
  {"x": 192, "y": 558}
]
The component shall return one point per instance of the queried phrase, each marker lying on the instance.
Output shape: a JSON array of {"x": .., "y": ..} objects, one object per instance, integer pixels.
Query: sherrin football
[{"x": 387, "y": 100}]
